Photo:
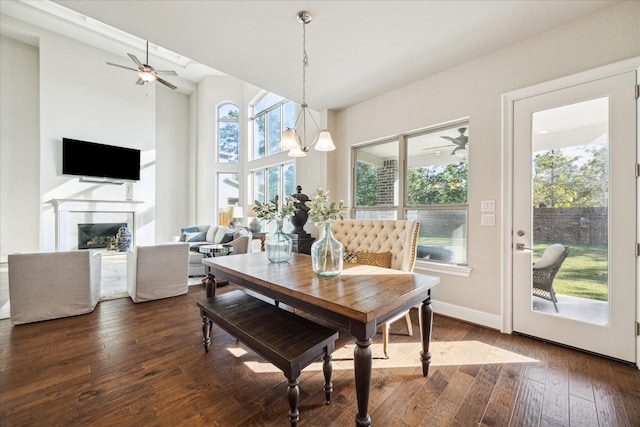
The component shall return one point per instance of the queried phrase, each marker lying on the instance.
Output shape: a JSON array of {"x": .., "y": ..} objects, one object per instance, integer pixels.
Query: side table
[
  {"x": 262, "y": 236},
  {"x": 301, "y": 245},
  {"x": 211, "y": 251}
]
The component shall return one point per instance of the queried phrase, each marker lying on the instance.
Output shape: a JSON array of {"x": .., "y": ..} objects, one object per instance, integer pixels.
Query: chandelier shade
[{"x": 291, "y": 140}]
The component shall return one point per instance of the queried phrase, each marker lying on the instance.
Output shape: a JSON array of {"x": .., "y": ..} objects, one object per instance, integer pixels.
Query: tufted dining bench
[{"x": 390, "y": 244}]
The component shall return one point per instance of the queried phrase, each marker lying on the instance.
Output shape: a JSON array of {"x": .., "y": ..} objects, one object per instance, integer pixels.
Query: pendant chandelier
[{"x": 290, "y": 139}]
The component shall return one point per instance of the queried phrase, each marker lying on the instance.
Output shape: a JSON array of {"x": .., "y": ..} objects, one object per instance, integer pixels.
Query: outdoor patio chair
[{"x": 545, "y": 269}]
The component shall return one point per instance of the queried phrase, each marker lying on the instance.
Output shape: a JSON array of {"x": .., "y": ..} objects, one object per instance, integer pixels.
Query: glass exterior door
[{"x": 574, "y": 216}]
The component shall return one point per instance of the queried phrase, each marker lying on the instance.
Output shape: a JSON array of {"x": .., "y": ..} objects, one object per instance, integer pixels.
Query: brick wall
[
  {"x": 571, "y": 225},
  {"x": 387, "y": 181}
]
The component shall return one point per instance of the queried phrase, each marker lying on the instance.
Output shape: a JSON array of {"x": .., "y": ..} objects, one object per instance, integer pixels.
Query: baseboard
[{"x": 466, "y": 314}]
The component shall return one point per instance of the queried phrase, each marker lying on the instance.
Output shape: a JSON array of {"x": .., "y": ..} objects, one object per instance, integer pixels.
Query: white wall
[
  {"x": 474, "y": 90},
  {"x": 19, "y": 148},
  {"x": 172, "y": 163},
  {"x": 82, "y": 97}
]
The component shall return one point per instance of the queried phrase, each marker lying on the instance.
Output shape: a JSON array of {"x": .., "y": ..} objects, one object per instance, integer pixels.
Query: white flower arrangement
[
  {"x": 321, "y": 209},
  {"x": 274, "y": 210}
]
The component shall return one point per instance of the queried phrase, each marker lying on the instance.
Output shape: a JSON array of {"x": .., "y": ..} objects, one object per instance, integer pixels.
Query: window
[
  {"x": 271, "y": 115},
  {"x": 228, "y": 196},
  {"x": 228, "y": 133},
  {"x": 432, "y": 189},
  {"x": 276, "y": 180}
]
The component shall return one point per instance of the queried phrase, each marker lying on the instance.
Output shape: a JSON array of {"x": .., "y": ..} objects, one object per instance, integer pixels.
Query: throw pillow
[
  {"x": 378, "y": 259},
  {"x": 183, "y": 231},
  {"x": 195, "y": 236},
  {"x": 350, "y": 257},
  {"x": 228, "y": 237}
]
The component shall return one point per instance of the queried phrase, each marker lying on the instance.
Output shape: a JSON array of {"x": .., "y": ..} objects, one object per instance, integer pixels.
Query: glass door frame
[{"x": 508, "y": 101}]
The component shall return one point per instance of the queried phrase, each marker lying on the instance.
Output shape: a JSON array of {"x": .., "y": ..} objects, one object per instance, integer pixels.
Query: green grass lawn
[{"x": 583, "y": 274}]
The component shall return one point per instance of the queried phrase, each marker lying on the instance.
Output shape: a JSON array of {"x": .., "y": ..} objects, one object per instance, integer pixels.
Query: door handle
[{"x": 521, "y": 247}]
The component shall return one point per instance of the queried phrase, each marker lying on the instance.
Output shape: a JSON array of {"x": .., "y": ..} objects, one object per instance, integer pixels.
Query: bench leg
[
  {"x": 206, "y": 332},
  {"x": 293, "y": 393},
  {"x": 327, "y": 369}
]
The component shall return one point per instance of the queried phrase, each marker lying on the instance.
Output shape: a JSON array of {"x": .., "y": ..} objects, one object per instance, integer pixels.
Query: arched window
[{"x": 228, "y": 133}]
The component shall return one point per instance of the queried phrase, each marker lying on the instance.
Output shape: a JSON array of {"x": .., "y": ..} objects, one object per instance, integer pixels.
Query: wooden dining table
[{"x": 360, "y": 299}]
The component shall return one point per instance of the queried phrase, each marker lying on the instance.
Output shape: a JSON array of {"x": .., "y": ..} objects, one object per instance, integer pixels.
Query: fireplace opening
[{"x": 102, "y": 235}]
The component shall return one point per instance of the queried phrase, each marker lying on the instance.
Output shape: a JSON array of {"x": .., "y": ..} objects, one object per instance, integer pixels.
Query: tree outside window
[
  {"x": 433, "y": 187},
  {"x": 228, "y": 133},
  {"x": 272, "y": 114}
]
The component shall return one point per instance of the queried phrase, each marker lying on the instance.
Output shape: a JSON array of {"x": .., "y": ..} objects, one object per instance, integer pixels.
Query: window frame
[
  {"x": 282, "y": 190},
  {"x": 401, "y": 210},
  {"x": 220, "y": 120},
  {"x": 265, "y": 114}
]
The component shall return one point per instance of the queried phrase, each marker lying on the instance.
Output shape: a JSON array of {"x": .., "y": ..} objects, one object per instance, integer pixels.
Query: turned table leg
[
  {"x": 327, "y": 369},
  {"x": 362, "y": 363},
  {"x": 426, "y": 320},
  {"x": 206, "y": 332},
  {"x": 293, "y": 393}
]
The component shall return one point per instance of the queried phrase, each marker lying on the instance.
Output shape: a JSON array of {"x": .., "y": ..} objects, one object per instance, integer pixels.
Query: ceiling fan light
[
  {"x": 325, "y": 142},
  {"x": 146, "y": 76},
  {"x": 462, "y": 153},
  {"x": 288, "y": 140}
]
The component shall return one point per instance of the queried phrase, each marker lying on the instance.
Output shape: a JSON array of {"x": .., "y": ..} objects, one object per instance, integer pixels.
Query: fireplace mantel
[
  {"x": 86, "y": 205},
  {"x": 64, "y": 207}
]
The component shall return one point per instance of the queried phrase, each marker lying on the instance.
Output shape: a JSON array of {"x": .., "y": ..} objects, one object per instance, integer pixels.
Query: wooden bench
[{"x": 289, "y": 341}]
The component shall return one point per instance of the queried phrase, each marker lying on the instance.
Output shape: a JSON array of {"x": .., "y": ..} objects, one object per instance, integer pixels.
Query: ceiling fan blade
[
  {"x": 167, "y": 84},
  {"x": 140, "y": 82},
  {"x": 121, "y": 66},
  {"x": 136, "y": 60},
  {"x": 167, "y": 72}
]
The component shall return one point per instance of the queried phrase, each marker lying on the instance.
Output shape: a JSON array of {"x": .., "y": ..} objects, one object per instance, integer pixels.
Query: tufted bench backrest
[{"x": 398, "y": 237}]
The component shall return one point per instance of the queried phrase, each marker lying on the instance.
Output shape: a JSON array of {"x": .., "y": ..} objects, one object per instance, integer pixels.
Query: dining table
[{"x": 360, "y": 299}]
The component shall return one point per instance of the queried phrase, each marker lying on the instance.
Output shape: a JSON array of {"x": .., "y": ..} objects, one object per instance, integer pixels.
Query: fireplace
[{"x": 101, "y": 235}]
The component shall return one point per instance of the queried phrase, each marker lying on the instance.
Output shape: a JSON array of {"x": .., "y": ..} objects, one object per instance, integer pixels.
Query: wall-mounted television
[{"x": 90, "y": 159}]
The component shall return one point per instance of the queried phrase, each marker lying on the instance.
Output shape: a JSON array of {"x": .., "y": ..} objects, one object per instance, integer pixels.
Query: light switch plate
[
  {"x": 488, "y": 205},
  {"x": 488, "y": 219}
]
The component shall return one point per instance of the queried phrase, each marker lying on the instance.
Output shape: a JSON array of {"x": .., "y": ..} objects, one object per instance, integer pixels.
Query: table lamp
[{"x": 237, "y": 213}]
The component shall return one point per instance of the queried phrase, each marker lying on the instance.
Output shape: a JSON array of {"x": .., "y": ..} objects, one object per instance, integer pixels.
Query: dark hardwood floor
[{"x": 144, "y": 364}]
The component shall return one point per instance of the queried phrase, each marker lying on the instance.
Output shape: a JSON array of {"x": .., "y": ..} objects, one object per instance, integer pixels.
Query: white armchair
[
  {"x": 50, "y": 285},
  {"x": 155, "y": 272}
]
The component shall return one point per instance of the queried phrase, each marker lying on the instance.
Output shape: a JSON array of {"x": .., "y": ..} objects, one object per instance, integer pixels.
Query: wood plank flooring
[{"x": 137, "y": 365}]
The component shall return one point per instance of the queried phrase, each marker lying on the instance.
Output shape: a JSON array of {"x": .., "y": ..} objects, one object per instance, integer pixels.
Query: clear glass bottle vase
[
  {"x": 278, "y": 246},
  {"x": 327, "y": 254}
]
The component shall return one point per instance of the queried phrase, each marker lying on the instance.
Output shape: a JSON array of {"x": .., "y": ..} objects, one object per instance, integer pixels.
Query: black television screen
[{"x": 91, "y": 159}]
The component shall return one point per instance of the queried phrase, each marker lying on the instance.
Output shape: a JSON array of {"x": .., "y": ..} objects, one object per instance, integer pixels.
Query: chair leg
[
  {"x": 385, "y": 339},
  {"x": 407, "y": 318}
]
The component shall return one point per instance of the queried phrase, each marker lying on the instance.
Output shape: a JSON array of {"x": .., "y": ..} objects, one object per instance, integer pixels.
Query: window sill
[{"x": 427, "y": 267}]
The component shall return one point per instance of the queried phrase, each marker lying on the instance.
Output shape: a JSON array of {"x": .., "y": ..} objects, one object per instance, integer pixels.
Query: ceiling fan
[
  {"x": 146, "y": 73},
  {"x": 460, "y": 142}
]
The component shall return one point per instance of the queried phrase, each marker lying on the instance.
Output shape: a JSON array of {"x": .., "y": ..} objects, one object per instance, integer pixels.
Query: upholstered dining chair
[
  {"x": 390, "y": 244},
  {"x": 51, "y": 285},
  {"x": 159, "y": 271},
  {"x": 545, "y": 269}
]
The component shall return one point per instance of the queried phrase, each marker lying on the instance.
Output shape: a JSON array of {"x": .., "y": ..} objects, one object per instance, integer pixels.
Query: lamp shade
[
  {"x": 237, "y": 212},
  {"x": 325, "y": 143},
  {"x": 288, "y": 140},
  {"x": 296, "y": 152}
]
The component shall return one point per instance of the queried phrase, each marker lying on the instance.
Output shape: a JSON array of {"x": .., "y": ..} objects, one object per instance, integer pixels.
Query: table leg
[
  {"x": 426, "y": 319},
  {"x": 206, "y": 332},
  {"x": 362, "y": 362},
  {"x": 211, "y": 285}
]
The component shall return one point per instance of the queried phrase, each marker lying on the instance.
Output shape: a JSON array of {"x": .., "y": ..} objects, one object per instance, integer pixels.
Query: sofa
[{"x": 198, "y": 235}]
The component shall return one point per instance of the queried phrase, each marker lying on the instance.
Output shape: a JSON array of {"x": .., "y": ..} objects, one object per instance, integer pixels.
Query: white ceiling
[{"x": 357, "y": 49}]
